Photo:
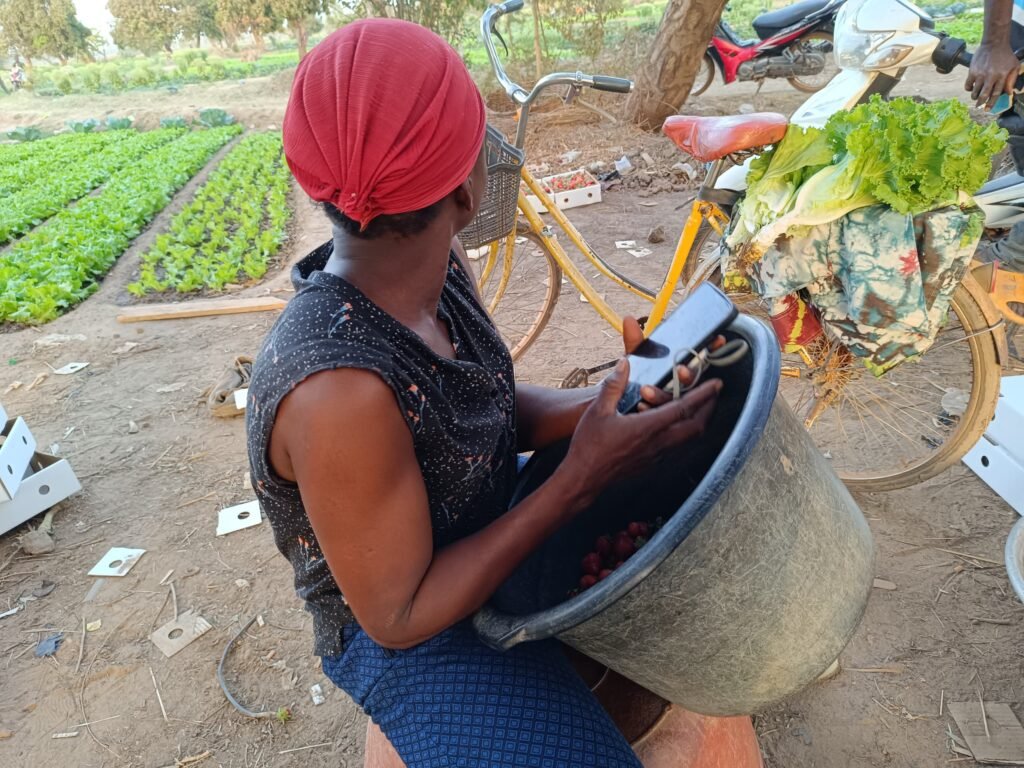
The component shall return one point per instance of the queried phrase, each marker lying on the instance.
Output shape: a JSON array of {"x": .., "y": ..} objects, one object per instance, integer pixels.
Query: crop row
[
  {"x": 50, "y": 193},
  {"x": 55, "y": 155},
  {"x": 230, "y": 230},
  {"x": 58, "y": 265}
]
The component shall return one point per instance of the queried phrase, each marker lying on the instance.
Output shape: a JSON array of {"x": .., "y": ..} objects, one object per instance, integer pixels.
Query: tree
[
  {"x": 299, "y": 14},
  {"x": 664, "y": 80},
  {"x": 257, "y": 17},
  {"x": 34, "y": 28},
  {"x": 144, "y": 25},
  {"x": 446, "y": 17},
  {"x": 582, "y": 22},
  {"x": 198, "y": 18}
]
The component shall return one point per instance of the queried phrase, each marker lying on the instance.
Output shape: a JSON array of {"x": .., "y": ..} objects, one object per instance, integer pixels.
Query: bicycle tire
[
  {"x": 984, "y": 391},
  {"x": 523, "y": 306}
]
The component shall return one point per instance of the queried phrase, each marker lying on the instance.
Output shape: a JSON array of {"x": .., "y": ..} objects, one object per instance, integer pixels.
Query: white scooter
[{"x": 875, "y": 42}]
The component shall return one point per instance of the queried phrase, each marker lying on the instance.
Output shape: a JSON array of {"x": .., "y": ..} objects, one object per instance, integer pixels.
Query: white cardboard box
[
  {"x": 51, "y": 479},
  {"x": 15, "y": 454},
  {"x": 570, "y": 198},
  {"x": 998, "y": 458},
  {"x": 993, "y": 464}
]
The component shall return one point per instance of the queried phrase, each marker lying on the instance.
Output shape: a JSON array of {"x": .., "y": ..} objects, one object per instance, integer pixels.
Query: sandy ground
[{"x": 949, "y": 629}]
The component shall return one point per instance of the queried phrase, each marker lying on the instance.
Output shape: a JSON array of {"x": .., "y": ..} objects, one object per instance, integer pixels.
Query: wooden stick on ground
[
  {"x": 159, "y": 698},
  {"x": 200, "y": 308}
]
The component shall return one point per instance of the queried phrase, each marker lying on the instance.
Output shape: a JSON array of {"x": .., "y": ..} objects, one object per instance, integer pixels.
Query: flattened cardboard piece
[
  {"x": 66, "y": 370},
  {"x": 176, "y": 634},
  {"x": 241, "y": 395},
  {"x": 117, "y": 562},
  {"x": 1004, "y": 744},
  {"x": 624, "y": 245},
  {"x": 231, "y": 519}
]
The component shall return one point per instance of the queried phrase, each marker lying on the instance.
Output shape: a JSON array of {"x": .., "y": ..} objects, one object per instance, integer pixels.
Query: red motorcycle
[{"x": 794, "y": 42}]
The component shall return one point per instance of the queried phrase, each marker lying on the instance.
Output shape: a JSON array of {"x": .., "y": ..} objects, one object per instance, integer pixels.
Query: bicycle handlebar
[
  {"x": 950, "y": 53},
  {"x": 516, "y": 92}
]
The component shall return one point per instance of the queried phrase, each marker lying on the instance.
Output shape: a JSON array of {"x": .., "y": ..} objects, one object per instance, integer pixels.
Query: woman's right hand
[{"x": 608, "y": 446}]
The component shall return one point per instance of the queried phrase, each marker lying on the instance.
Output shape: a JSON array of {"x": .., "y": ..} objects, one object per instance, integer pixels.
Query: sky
[{"x": 94, "y": 14}]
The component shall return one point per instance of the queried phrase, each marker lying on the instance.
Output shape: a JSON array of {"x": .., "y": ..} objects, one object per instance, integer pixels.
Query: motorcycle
[
  {"x": 875, "y": 42},
  {"x": 794, "y": 42},
  {"x": 17, "y": 79}
]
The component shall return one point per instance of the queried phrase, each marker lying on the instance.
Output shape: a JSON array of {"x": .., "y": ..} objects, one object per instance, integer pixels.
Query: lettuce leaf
[
  {"x": 912, "y": 157},
  {"x": 775, "y": 176}
]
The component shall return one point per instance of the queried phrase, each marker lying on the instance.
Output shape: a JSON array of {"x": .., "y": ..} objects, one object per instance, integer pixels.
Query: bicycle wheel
[
  {"x": 519, "y": 282},
  {"x": 907, "y": 426},
  {"x": 815, "y": 42}
]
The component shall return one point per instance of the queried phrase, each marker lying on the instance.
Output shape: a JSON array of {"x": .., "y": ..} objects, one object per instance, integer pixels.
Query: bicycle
[{"x": 881, "y": 434}]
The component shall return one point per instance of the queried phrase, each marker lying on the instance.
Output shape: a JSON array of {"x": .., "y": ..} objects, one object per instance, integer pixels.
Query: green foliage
[
  {"x": 33, "y": 28},
  {"x": 83, "y": 126},
  {"x": 173, "y": 122},
  {"x": 91, "y": 78},
  {"x": 582, "y": 22},
  {"x": 75, "y": 175},
  {"x": 119, "y": 123},
  {"x": 912, "y": 157},
  {"x": 213, "y": 118},
  {"x": 25, "y": 133},
  {"x": 123, "y": 74},
  {"x": 967, "y": 28},
  {"x": 58, "y": 265},
  {"x": 144, "y": 25},
  {"x": 142, "y": 75},
  {"x": 231, "y": 228},
  {"x": 741, "y": 13},
  {"x": 23, "y": 164}
]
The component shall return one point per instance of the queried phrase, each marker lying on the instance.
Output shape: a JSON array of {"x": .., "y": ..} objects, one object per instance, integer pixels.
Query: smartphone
[{"x": 692, "y": 326}]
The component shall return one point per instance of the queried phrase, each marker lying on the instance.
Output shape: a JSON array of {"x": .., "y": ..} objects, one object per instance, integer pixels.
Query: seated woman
[{"x": 384, "y": 421}]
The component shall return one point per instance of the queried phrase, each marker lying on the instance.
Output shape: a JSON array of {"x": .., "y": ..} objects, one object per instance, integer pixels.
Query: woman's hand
[
  {"x": 632, "y": 337},
  {"x": 608, "y": 446}
]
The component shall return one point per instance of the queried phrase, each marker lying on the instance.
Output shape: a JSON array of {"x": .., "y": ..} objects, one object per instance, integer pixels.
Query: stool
[{"x": 663, "y": 735}]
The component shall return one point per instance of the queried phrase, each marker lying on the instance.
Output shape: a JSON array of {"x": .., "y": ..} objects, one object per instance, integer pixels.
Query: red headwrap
[{"x": 383, "y": 118}]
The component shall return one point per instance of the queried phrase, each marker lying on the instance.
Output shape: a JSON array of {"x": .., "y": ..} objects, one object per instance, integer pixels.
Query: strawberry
[
  {"x": 623, "y": 546},
  {"x": 638, "y": 529},
  {"x": 587, "y": 581},
  {"x": 604, "y": 574},
  {"x": 603, "y": 545},
  {"x": 592, "y": 563}
]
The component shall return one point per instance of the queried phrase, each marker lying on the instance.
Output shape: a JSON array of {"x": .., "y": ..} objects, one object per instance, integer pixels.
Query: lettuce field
[{"x": 70, "y": 205}]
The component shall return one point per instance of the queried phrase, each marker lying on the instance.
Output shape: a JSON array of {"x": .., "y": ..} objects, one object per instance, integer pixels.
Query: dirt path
[{"x": 160, "y": 489}]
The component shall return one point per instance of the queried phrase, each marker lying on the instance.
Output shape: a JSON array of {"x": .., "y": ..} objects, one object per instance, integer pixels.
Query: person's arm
[
  {"x": 994, "y": 67},
  {"x": 352, "y": 456}
]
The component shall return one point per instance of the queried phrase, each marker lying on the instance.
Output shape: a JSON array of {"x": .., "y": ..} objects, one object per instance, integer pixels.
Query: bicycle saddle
[{"x": 712, "y": 138}]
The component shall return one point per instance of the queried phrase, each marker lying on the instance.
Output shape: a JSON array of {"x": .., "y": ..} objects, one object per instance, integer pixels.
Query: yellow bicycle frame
[{"x": 701, "y": 211}]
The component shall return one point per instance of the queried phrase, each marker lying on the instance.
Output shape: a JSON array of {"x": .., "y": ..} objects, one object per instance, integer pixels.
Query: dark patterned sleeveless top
[{"x": 461, "y": 414}]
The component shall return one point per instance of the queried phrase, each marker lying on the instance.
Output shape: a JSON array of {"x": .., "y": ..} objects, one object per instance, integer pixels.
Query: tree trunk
[
  {"x": 538, "y": 57},
  {"x": 258, "y": 42},
  {"x": 199, "y": 40},
  {"x": 301, "y": 36},
  {"x": 664, "y": 80}
]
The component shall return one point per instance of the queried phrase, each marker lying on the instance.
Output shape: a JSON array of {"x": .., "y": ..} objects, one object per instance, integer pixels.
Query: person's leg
[{"x": 454, "y": 702}]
